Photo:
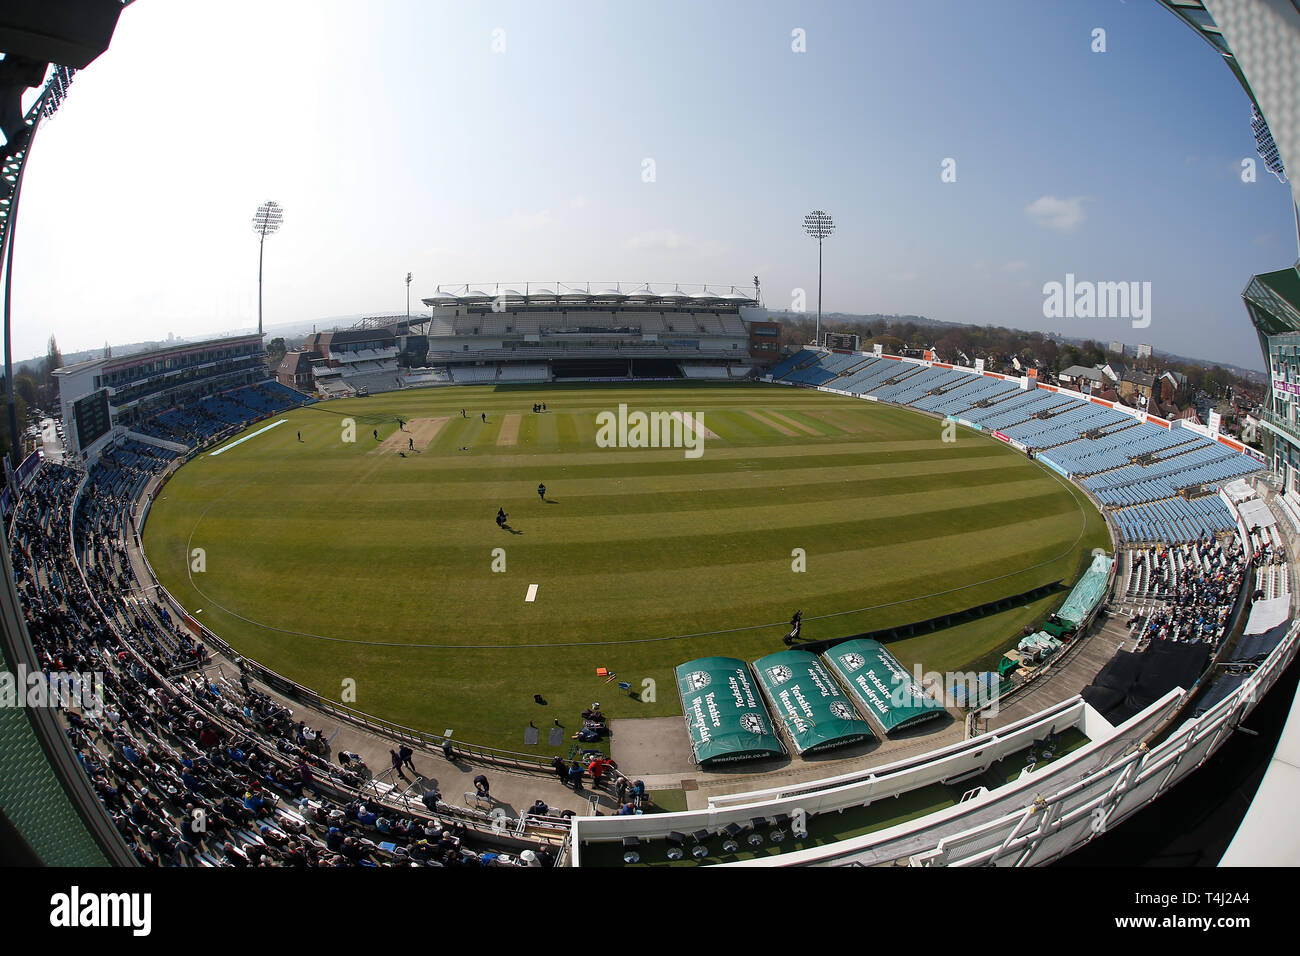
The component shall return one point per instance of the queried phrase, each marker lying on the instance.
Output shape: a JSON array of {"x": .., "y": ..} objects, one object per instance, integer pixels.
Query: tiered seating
[
  {"x": 1118, "y": 447},
  {"x": 1273, "y": 580},
  {"x": 474, "y": 374},
  {"x": 372, "y": 383},
  {"x": 1191, "y": 589},
  {"x": 426, "y": 376},
  {"x": 1134, "y": 468},
  {"x": 525, "y": 373},
  {"x": 161, "y": 741},
  {"x": 441, "y": 326},
  {"x": 798, "y": 360},
  {"x": 196, "y": 422},
  {"x": 270, "y": 398},
  {"x": 705, "y": 371},
  {"x": 477, "y": 374},
  {"x": 490, "y": 324},
  {"x": 874, "y": 373},
  {"x": 916, "y": 387},
  {"x": 1174, "y": 519},
  {"x": 1067, "y": 423},
  {"x": 369, "y": 367},
  {"x": 959, "y": 400},
  {"x": 334, "y": 388},
  {"x": 825, "y": 371},
  {"x": 732, "y": 324}
]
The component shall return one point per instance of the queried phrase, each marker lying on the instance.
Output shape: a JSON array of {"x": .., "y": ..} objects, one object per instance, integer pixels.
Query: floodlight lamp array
[
  {"x": 268, "y": 219},
  {"x": 818, "y": 224}
]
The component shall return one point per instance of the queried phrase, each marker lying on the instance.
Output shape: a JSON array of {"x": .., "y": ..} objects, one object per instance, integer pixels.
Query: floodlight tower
[
  {"x": 819, "y": 225},
  {"x": 408, "y": 296},
  {"x": 265, "y": 223},
  {"x": 19, "y": 132}
]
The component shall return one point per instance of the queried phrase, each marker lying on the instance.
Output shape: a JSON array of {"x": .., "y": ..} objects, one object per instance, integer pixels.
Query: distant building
[
  {"x": 765, "y": 341},
  {"x": 1171, "y": 383},
  {"x": 1138, "y": 385},
  {"x": 1082, "y": 379},
  {"x": 1144, "y": 351},
  {"x": 295, "y": 370},
  {"x": 1116, "y": 348},
  {"x": 1113, "y": 371}
]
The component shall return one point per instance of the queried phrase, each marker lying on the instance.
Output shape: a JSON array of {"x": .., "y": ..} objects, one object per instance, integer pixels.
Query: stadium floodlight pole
[
  {"x": 51, "y": 98},
  {"x": 265, "y": 223},
  {"x": 15, "y": 440},
  {"x": 819, "y": 225},
  {"x": 408, "y": 296}
]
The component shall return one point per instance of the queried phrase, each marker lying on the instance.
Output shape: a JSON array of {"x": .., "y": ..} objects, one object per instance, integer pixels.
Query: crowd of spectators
[
  {"x": 1197, "y": 584},
  {"x": 193, "y": 768}
]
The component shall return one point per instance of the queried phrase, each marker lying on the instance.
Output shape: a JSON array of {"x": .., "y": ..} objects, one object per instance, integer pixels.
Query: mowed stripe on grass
[
  {"x": 771, "y": 422},
  {"x": 638, "y": 545},
  {"x": 798, "y": 426}
]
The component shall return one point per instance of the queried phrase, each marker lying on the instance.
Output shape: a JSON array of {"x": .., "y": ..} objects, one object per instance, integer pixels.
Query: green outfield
[{"x": 372, "y": 561}]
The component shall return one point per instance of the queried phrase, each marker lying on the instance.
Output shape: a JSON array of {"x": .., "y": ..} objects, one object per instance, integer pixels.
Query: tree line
[{"x": 34, "y": 387}]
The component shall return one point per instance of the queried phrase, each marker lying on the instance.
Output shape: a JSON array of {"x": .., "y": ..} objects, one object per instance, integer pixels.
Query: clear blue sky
[{"x": 397, "y": 139}]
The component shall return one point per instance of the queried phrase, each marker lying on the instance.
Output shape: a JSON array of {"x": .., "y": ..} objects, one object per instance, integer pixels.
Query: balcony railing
[{"x": 1279, "y": 423}]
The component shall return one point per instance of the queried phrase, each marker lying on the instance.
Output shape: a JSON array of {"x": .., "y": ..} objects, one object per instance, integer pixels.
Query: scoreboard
[
  {"x": 91, "y": 414},
  {"x": 840, "y": 340}
]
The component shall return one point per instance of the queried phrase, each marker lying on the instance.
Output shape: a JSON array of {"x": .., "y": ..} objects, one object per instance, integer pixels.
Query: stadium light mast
[
  {"x": 408, "y": 296},
  {"x": 819, "y": 225},
  {"x": 19, "y": 132},
  {"x": 265, "y": 223}
]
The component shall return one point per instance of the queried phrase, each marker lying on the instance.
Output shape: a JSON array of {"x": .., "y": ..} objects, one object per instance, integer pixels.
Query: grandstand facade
[
  {"x": 536, "y": 332},
  {"x": 1273, "y": 303},
  {"x": 181, "y": 395},
  {"x": 137, "y": 387},
  {"x": 354, "y": 361}
]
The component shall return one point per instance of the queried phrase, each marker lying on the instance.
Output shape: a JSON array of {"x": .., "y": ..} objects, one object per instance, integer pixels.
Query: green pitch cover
[
  {"x": 1087, "y": 594},
  {"x": 725, "y": 716},
  {"x": 881, "y": 685},
  {"x": 805, "y": 699}
]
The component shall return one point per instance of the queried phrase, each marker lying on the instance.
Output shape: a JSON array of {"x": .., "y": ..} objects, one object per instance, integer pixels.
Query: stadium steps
[
  {"x": 851, "y": 370},
  {"x": 1186, "y": 446},
  {"x": 902, "y": 376},
  {"x": 965, "y": 381}
]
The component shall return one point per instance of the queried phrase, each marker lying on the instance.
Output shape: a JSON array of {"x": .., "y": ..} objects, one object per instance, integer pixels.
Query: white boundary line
[{"x": 214, "y": 454}]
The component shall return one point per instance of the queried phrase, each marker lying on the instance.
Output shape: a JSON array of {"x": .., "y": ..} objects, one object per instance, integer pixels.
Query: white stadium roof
[{"x": 644, "y": 293}]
